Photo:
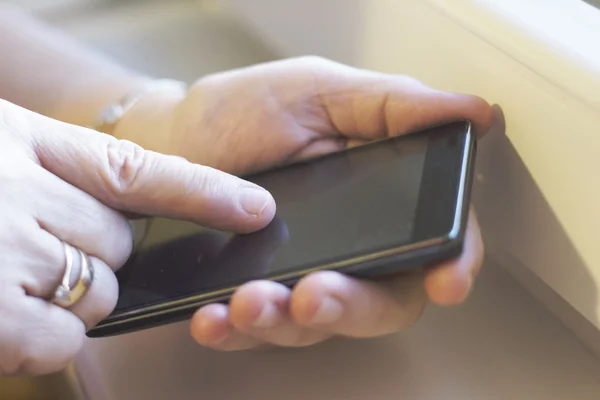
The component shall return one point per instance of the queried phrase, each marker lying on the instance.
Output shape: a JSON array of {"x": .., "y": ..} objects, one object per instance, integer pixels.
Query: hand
[
  {"x": 62, "y": 184},
  {"x": 256, "y": 117}
]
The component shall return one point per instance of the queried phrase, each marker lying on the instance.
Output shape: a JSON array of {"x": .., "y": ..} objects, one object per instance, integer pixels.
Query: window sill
[{"x": 558, "y": 41}]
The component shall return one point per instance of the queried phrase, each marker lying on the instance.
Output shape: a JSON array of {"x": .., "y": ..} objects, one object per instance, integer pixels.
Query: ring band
[{"x": 65, "y": 295}]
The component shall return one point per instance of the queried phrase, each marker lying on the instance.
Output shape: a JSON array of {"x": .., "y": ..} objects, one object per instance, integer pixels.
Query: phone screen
[{"x": 341, "y": 205}]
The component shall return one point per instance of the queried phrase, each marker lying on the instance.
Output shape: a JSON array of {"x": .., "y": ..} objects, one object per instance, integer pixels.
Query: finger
[
  {"x": 42, "y": 266},
  {"x": 101, "y": 297},
  {"x": 36, "y": 337},
  {"x": 343, "y": 305},
  {"x": 261, "y": 309},
  {"x": 369, "y": 105},
  {"x": 126, "y": 177},
  {"x": 451, "y": 282},
  {"x": 46, "y": 274},
  {"x": 77, "y": 218},
  {"x": 210, "y": 327},
  {"x": 38, "y": 260}
]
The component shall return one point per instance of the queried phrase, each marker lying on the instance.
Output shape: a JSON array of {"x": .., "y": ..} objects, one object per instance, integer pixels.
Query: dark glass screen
[{"x": 341, "y": 205}]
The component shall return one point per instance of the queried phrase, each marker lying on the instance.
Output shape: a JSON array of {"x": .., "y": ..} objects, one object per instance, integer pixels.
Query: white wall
[{"x": 538, "y": 191}]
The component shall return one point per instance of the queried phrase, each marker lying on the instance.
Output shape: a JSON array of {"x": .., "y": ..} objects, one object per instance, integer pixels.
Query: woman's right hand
[{"x": 63, "y": 184}]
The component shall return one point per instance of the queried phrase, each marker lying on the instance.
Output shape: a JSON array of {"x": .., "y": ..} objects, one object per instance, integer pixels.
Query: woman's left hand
[{"x": 256, "y": 117}]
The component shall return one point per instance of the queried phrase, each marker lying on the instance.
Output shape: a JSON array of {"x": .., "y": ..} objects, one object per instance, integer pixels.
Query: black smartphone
[{"x": 381, "y": 208}]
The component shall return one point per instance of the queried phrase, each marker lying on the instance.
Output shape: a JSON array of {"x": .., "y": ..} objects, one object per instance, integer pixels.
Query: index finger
[{"x": 126, "y": 177}]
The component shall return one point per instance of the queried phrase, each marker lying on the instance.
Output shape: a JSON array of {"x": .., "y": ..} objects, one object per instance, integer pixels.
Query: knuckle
[
  {"x": 314, "y": 60},
  {"x": 126, "y": 162},
  {"x": 318, "y": 65},
  {"x": 412, "y": 83},
  {"x": 209, "y": 180}
]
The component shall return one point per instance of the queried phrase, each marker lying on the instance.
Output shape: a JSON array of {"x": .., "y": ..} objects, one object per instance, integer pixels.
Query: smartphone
[{"x": 388, "y": 206}]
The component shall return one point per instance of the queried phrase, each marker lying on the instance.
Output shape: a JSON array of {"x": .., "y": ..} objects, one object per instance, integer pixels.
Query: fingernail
[
  {"x": 328, "y": 312},
  {"x": 254, "y": 200},
  {"x": 268, "y": 317}
]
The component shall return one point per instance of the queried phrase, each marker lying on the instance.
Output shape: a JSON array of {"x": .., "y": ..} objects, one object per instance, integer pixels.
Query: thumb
[
  {"x": 124, "y": 176},
  {"x": 367, "y": 105}
]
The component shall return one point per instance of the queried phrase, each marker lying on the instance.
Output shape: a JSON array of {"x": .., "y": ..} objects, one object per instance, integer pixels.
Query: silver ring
[{"x": 66, "y": 295}]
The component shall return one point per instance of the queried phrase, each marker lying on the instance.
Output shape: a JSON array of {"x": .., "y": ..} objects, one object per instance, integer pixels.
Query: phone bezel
[{"x": 422, "y": 251}]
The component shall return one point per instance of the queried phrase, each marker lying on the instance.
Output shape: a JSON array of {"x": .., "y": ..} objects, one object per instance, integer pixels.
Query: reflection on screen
[{"x": 349, "y": 203}]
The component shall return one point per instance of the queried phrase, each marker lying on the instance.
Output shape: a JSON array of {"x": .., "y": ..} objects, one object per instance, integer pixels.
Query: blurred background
[{"x": 183, "y": 39}]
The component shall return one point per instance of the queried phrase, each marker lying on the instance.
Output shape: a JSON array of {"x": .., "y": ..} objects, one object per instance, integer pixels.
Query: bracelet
[{"x": 110, "y": 116}]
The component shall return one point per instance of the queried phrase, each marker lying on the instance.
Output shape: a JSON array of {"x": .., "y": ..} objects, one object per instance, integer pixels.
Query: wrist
[
  {"x": 83, "y": 100},
  {"x": 150, "y": 121},
  {"x": 127, "y": 106}
]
